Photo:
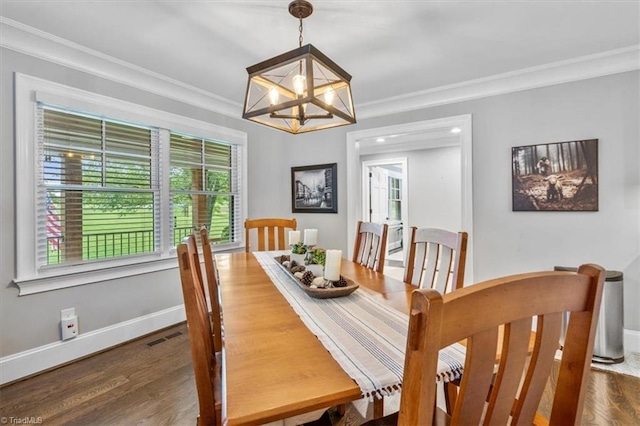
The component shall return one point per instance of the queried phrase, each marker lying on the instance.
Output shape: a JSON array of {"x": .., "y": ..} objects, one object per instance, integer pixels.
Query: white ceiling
[{"x": 389, "y": 47}]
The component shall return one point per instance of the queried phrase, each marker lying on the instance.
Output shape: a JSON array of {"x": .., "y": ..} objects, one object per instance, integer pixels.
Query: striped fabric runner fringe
[{"x": 364, "y": 336}]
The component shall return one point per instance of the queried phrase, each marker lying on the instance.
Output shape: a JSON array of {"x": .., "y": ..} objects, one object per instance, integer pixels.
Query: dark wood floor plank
[{"x": 153, "y": 385}]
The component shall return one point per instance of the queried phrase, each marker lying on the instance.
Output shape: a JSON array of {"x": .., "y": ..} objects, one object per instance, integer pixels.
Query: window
[
  {"x": 395, "y": 198},
  {"x": 204, "y": 188},
  {"x": 101, "y": 189},
  {"x": 108, "y": 188}
]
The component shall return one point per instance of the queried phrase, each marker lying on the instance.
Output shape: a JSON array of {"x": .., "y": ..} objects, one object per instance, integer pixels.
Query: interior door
[{"x": 378, "y": 190}]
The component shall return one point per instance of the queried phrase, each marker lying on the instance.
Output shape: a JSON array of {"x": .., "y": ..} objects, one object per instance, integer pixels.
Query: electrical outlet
[
  {"x": 67, "y": 313},
  {"x": 68, "y": 323},
  {"x": 69, "y": 328}
]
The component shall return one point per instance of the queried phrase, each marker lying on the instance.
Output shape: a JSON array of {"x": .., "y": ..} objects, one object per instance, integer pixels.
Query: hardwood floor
[
  {"x": 150, "y": 381},
  {"x": 147, "y": 381}
]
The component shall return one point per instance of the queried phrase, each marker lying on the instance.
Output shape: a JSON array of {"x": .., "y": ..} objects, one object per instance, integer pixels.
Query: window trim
[{"x": 30, "y": 90}]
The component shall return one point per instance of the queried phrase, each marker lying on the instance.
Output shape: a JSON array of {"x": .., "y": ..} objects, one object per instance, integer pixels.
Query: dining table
[{"x": 286, "y": 354}]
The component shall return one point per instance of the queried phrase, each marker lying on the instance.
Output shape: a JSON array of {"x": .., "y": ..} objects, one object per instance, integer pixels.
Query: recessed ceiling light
[
  {"x": 456, "y": 130},
  {"x": 380, "y": 140}
]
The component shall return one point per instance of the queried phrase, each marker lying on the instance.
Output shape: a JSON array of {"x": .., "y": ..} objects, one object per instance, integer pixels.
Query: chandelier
[{"x": 301, "y": 90}]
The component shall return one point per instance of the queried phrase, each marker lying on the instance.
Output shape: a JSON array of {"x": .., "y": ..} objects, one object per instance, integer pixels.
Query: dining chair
[
  {"x": 268, "y": 229},
  {"x": 213, "y": 285},
  {"x": 206, "y": 361},
  {"x": 371, "y": 245},
  {"x": 436, "y": 259},
  {"x": 514, "y": 393}
]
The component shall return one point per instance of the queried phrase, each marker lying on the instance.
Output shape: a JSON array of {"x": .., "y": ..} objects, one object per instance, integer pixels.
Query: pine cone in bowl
[
  {"x": 307, "y": 278},
  {"x": 342, "y": 282}
]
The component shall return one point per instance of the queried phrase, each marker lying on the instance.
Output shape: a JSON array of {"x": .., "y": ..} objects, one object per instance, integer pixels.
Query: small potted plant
[
  {"x": 298, "y": 253},
  {"x": 317, "y": 258}
]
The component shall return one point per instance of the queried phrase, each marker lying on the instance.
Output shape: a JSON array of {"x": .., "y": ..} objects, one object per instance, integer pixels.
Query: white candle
[
  {"x": 332, "y": 265},
  {"x": 310, "y": 237},
  {"x": 294, "y": 237}
]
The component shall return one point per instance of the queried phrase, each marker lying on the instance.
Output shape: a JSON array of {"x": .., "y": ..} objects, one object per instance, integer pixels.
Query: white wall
[{"x": 433, "y": 186}]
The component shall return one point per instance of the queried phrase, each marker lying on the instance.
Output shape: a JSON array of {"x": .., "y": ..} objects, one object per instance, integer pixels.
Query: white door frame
[
  {"x": 354, "y": 175},
  {"x": 405, "y": 193}
]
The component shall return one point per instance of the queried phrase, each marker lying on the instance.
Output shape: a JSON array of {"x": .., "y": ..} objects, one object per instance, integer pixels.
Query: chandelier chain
[{"x": 300, "y": 30}]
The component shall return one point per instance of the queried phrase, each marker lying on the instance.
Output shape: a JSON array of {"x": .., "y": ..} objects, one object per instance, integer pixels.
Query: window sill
[{"x": 59, "y": 281}]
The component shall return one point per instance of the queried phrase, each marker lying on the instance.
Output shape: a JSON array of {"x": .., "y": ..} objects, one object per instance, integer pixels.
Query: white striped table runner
[{"x": 364, "y": 336}]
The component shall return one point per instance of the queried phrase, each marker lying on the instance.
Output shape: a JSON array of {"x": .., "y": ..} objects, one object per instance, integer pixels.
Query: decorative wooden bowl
[{"x": 321, "y": 293}]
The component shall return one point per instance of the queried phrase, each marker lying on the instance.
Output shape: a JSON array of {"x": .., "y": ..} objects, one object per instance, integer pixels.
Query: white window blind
[
  {"x": 205, "y": 188},
  {"x": 98, "y": 188}
]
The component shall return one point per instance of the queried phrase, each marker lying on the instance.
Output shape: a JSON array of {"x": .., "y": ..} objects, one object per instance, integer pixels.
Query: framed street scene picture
[{"x": 314, "y": 189}]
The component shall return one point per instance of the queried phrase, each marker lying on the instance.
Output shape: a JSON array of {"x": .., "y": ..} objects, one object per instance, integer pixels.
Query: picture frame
[
  {"x": 558, "y": 176},
  {"x": 314, "y": 189}
]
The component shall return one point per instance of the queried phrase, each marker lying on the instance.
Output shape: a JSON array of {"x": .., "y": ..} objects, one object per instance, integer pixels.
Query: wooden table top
[{"x": 274, "y": 367}]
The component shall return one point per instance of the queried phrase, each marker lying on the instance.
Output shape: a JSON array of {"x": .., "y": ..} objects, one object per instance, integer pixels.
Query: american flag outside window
[{"x": 54, "y": 230}]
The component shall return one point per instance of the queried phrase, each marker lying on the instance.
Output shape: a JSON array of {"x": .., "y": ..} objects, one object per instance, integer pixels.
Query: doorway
[
  {"x": 384, "y": 198},
  {"x": 424, "y": 135}
]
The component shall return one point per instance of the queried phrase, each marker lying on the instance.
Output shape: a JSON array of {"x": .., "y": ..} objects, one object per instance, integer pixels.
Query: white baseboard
[
  {"x": 23, "y": 364},
  {"x": 631, "y": 341}
]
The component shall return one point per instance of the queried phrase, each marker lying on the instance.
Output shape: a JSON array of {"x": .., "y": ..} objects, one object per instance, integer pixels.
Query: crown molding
[
  {"x": 31, "y": 41},
  {"x": 582, "y": 68}
]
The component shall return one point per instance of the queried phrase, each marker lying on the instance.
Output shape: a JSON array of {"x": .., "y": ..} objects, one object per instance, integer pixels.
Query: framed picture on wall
[
  {"x": 559, "y": 176},
  {"x": 314, "y": 189}
]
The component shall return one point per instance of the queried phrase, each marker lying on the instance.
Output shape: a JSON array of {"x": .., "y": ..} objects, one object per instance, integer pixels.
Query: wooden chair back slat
[
  {"x": 371, "y": 245},
  {"x": 507, "y": 379},
  {"x": 541, "y": 362},
  {"x": 475, "y": 313},
  {"x": 479, "y": 367},
  {"x": 213, "y": 287},
  {"x": 267, "y": 231},
  {"x": 436, "y": 259}
]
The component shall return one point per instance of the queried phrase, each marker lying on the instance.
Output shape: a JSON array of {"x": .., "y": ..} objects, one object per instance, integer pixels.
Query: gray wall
[{"x": 505, "y": 242}]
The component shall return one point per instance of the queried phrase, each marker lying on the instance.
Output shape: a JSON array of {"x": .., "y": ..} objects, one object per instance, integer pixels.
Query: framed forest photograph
[
  {"x": 559, "y": 176},
  {"x": 314, "y": 189}
]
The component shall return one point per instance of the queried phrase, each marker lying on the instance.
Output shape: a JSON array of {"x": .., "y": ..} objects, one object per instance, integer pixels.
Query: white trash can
[{"x": 608, "y": 347}]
